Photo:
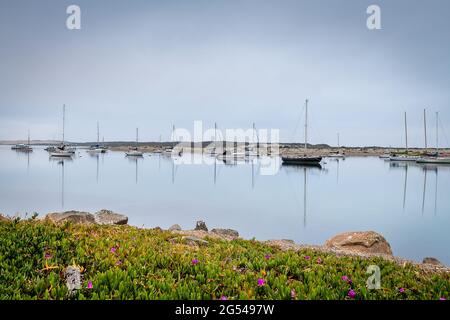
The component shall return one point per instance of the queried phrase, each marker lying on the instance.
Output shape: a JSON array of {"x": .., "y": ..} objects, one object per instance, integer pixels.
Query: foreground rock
[
  {"x": 73, "y": 279},
  {"x": 227, "y": 233},
  {"x": 108, "y": 217},
  {"x": 71, "y": 216},
  {"x": 366, "y": 242},
  {"x": 201, "y": 226},
  {"x": 432, "y": 261},
  {"x": 103, "y": 217},
  {"x": 175, "y": 227},
  {"x": 3, "y": 218}
]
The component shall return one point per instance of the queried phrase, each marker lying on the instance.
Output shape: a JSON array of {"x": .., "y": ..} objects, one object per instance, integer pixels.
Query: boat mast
[
  {"x": 406, "y": 133},
  {"x": 64, "y": 120},
  {"x": 437, "y": 134},
  {"x": 306, "y": 124},
  {"x": 137, "y": 136},
  {"x": 425, "y": 128},
  {"x": 28, "y": 137},
  {"x": 338, "y": 138},
  {"x": 98, "y": 133}
]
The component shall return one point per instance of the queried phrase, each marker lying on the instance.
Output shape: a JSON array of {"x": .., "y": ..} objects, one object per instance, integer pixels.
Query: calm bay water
[{"x": 408, "y": 204}]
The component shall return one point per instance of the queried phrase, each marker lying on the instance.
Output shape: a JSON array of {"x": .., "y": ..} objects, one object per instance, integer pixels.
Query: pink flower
[
  {"x": 401, "y": 290},
  {"x": 319, "y": 261},
  {"x": 118, "y": 263},
  {"x": 47, "y": 256},
  {"x": 194, "y": 261},
  {"x": 267, "y": 256},
  {"x": 351, "y": 294},
  {"x": 113, "y": 250},
  {"x": 223, "y": 298},
  {"x": 261, "y": 282},
  {"x": 346, "y": 279},
  {"x": 293, "y": 294},
  {"x": 442, "y": 298},
  {"x": 307, "y": 257},
  {"x": 90, "y": 286}
]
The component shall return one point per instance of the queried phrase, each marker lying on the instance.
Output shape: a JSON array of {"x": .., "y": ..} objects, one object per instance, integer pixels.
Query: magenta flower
[
  {"x": 118, "y": 263},
  {"x": 113, "y": 250},
  {"x": 307, "y": 257},
  {"x": 319, "y": 261},
  {"x": 47, "y": 256},
  {"x": 194, "y": 261},
  {"x": 223, "y": 298},
  {"x": 261, "y": 282},
  {"x": 267, "y": 256},
  {"x": 293, "y": 294},
  {"x": 346, "y": 279},
  {"x": 90, "y": 285},
  {"x": 351, "y": 294},
  {"x": 401, "y": 290},
  {"x": 442, "y": 298}
]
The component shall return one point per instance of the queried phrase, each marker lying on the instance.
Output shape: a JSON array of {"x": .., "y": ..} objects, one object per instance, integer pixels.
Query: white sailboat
[
  {"x": 134, "y": 151},
  {"x": 338, "y": 153},
  {"x": 406, "y": 156},
  {"x": 97, "y": 148},
  {"x": 63, "y": 151},
  {"x": 303, "y": 160},
  {"x": 437, "y": 159}
]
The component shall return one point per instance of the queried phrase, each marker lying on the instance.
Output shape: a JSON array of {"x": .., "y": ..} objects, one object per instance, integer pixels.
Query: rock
[
  {"x": 3, "y": 218},
  {"x": 73, "y": 279},
  {"x": 228, "y": 233},
  {"x": 109, "y": 217},
  {"x": 201, "y": 225},
  {"x": 71, "y": 216},
  {"x": 360, "y": 242},
  {"x": 433, "y": 261},
  {"x": 175, "y": 227},
  {"x": 191, "y": 240}
]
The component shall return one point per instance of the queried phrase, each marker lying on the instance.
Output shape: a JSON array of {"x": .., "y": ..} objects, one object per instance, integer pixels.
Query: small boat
[
  {"x": 19, "y": 146},
  {"x": 311, "y": 161},
  {"x": 231, "y": 156},
  {"x": 434, "y": 160},
  {"x": 62, "y": 151},
  {"x": 303, "y": 160},
  {"x": 403, "y": 158},
  {"x": 134, "y": 151},
  {"x": 97, "y": 148},
  {"x": 385, "y": 156},
  {"x": 406, "y": 156}
]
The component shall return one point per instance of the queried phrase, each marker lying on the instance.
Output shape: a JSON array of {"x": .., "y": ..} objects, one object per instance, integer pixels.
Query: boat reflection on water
[
  {"x": 135, "y": 160},
  {"x": 61, "y": 162},
  {"x": 424, "y": 168},
  {"x": 303, "y": 168}
]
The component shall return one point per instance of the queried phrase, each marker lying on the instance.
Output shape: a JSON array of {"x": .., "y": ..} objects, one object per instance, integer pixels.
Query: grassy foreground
[{"x": 129, "y": 263}]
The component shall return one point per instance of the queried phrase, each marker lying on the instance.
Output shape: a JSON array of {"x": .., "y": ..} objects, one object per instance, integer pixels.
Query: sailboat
[
  {"x": 437, "y": 159},
  {"x": 97, "y": 148},
  {"x": 23, "y": 147},
  {"x": 303, "y": 160},
  {"x": 338, "y": 153},
  {"x": 406, "y": 156},
  {"x": 134, "y": 151},
  {"x": 62, "y": 150}
]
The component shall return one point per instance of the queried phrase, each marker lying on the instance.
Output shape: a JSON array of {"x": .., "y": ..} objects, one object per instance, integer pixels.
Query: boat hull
[
  {"x": 61, "y": 154},
  {"x": 434, "y": 160},
  {"x": 412, "y": 159},
  {"x": 313, "y": 161}
]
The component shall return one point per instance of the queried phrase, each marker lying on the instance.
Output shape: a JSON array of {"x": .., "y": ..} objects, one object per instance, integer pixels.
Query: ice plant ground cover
[{"x": 122, "y": 262}]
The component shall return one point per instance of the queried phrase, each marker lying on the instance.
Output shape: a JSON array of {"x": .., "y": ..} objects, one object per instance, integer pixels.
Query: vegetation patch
[{"x": 123, "y": 262}]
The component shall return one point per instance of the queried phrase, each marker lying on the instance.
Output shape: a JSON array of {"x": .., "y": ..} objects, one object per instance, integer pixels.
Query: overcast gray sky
[{"x": 149, "y": 64}]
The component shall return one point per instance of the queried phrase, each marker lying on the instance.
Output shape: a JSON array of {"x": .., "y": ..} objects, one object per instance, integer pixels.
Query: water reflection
[
  {"x": 135, "y": 160},
  {"x": 62, "y": 163}
]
